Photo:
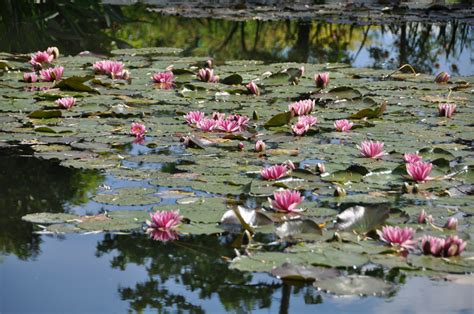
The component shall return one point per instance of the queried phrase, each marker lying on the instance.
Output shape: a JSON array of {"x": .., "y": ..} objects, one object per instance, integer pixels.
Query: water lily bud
[
  {"x": 240, "y": 146},
  {"x": 442, "y": 78},
  {"x": 339, "y": 192},
  {"x": 253, "y": 88},
  {"x": 407, "y": 188},
  {"x": 416, "y": 189},
  {"x": 290, "y": 165},
  {"x": 321, "y": 79},
  {"x": 451, "y": 224},
  {"x": 209, "y": 64},
  {"x": 320, "y": 168},
  {"x": 300, "y": 72},
  {"x": 54, "y": 51},
  {"x": 260, "y": 146}
]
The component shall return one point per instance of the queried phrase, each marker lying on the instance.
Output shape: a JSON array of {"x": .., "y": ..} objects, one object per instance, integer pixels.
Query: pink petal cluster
[
  {"x": 446, "y": 110},
  {"x": 253, "y": 88},
  {"x": 194, "y": 117},
  {"x": 442, "y": 77},
  {"x": 412, "y": 158},
  {"x": 41, "y": 58},
  {"x": 419, "y": 171},
  {"x": 402, "y": 237},
  {"x": 30, "y": 77},
  {"x": 286, "y": 201},
  {"x": 371, "y": 149},
  {"x": 207, "y": 75},
  {"x": 321, "y": 79},
  {"x": 260, "y": 146},
  {"x": 138, "y": 130},
  {"x": 164, "y": 79},
  {"x": 66, "y": 102},
  {"x": 424, "y": 218},
  {"x": 231, "y": 124},
  {"x": 163, "y": 224},
  {"x": 54, "y": 51},
  {"x": 302, "y": 107},
  {"x": 439, "y": 247},
  {"x": 290, "y": 164},
  {"x": 451, "y": 223},
  {"x": 343, "y": 125},
  {"x": 274, "y": 172},
  {"x": 303, "y": 124},
  {"x": 52, "y": 74},
  {"x": 115, "y": 69}
]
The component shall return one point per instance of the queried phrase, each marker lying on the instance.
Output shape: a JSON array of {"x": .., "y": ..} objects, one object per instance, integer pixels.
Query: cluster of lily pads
[{"x": 322, "y": 194}]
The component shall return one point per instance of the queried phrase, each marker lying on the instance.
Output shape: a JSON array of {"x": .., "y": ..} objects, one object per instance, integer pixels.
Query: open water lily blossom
[
  {"x": 52, "y": 74},
  {"x": 30, "y": 77},
  {"x": 286, "y": 201},
  {"x": 207, "y": 125},
  {"x": 66, "y": 102},
  {"x": 194, "y": 117},
  {"x": 115, "y": 69},
  {"x": 274, "y": 172},
  {"x": 302, "y": 107},
  {"x": 343, "y": 125},
  {"x": 163, "y": 224},
  {"x": 439, "y": 247},
  {"x": 41, "y": 58},
  {"x": 164, "y": 80},
  {"x": 419, "y": 171},
  {"x": 138, "y": 130},
  {"x": 446, "y": 110},
  {"x": 371, "y": 149},
  {"x": 397, "y": 236}
]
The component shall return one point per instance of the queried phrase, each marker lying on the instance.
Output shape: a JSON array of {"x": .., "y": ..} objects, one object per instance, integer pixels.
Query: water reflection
[
  {"x": 74, "y": 27},
  {"x": 30, "y": 185}
]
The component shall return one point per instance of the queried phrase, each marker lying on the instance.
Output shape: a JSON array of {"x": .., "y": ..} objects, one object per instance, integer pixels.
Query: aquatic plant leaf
[
  {"x": 76, "y": 83},
  {"x": 355, "y": 285},
  {"x": 278, "y": 120},
  {"x": 298, "y": 227},
  {"x": 290, "y": 271},
  {"x": 129, "y": 197},
  {"x": 233, "y": 79},
  {"x": 45, "y": 114},
  {"x": 370, "y": 113},
  {"x": 49, "y": 218},
  {"x": 362, "y": 219}
]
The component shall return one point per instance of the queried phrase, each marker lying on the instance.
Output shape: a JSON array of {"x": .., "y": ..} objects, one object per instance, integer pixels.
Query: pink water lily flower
[
  {"x": 138, "y": 130},
  {"x": 41, "y": 58},
  {"x": 371, "y": 149},
  {"x": 218, "y": 116},
  {"x": 115, "y": 69},
  {"x": 451, "y": 223},
  {"x": 442, "y": 77},
  {"x": 424, "y": 218},
  {"x": 229, "y": 126},
  {"x": 446, "y": 110},
  {"x": 242, "y": 121},
  {"x": 260, "y": 146},
  {"x": 193, "y": 117},
  {"x": 321, "y": 79},
  {"x": 163, "y": 77},
  {"x": 30, "y": 77},
  {"x": 439, "y": 247},
  {"x": 402, "y": 237},
  {"x": 286, "y": 201},
  {"x": 253, "y": 88},
  {"x": 66, "y": 102},
  {"x": 207, "y": 125},
  {"x": 302, "y": 107},
  {"x": 53, "y": 51},
  {"x": 309, "y": 120},
  {"x": 274, "y": 172},
  {"x": 207, "y": 75},
  {"x": 163, "y": 225},
  {"x": 412, "y": 158},
  {"x": 343, "y": 125},
  {"x": 419, "y": 171},
  {"x": 300, "y": 128},
  {"x": 52, "y": 74},
  {"x": 289, "y": 164}
]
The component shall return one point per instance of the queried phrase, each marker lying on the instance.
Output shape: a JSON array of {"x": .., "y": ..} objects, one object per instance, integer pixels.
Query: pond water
[{"x": 83, "y": 161}]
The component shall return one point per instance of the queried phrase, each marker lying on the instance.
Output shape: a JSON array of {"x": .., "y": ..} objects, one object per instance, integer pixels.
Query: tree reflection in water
[
  {"x": 88, "y": 25},
  {"x": 197, "y": 263},
  {"x": 30, "y": 185}
]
